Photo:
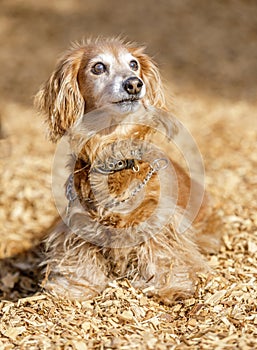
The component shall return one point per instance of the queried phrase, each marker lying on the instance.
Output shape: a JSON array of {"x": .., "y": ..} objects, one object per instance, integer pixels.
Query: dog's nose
[{"x": 133, "y": 85}]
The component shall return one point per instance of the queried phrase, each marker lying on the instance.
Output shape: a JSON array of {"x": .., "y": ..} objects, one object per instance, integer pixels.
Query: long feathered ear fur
[
  {"x": 59, "y": 99},
  {"x": 151, "y": 77}
]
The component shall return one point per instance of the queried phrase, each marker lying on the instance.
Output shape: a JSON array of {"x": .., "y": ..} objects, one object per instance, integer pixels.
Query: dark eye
[
  {"x": 133, "y": 65},
  {"x": 98, "y": 68}
]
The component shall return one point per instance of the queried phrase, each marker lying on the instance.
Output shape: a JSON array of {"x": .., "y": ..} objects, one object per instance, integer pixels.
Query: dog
[{"x": 115, "y": 226}]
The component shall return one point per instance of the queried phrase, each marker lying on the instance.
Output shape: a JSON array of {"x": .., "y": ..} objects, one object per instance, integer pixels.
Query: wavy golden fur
[{"x": 81, "y": 259}]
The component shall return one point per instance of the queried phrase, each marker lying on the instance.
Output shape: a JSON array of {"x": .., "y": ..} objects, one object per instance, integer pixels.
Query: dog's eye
[
  {"x": 98, "y": 68},
  {"x": 133, "y": 65}
]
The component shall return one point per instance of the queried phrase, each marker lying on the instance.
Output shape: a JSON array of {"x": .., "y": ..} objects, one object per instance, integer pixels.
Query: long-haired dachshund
[{"x": 120, "y": 219}]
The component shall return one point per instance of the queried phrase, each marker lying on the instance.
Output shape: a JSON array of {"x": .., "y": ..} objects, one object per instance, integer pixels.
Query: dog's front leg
[
  {"x": 168, "y": 265},
  {"x": 75, "y": 268}
]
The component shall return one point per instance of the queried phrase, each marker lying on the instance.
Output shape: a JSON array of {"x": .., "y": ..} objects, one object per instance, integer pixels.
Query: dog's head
[{"x": 95, "y": 74}]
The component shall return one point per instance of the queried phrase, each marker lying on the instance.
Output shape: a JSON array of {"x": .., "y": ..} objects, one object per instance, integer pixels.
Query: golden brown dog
[{"x": 115, "y": 224}]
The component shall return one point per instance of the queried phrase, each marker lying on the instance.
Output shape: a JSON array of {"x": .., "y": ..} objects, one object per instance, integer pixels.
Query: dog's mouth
[{"x": 130, "y": 100}]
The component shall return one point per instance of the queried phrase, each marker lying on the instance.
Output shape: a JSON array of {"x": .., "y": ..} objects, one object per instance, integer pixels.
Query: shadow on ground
[{"x": 20, "y": 275}]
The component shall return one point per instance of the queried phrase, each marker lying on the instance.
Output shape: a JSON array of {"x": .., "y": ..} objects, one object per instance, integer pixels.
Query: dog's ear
[
  {"x": 151, "y": 77},
  {"x": 59, "y": 99}
]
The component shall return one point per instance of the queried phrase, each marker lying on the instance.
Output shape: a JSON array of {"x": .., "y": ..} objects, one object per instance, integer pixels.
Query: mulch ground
[{"x": 211, "y": 70}]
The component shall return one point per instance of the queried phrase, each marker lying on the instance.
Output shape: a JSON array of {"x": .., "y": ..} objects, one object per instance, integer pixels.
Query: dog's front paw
[
  {"x": 74, "y": 289},
  {"x": 170, "y": 288}
]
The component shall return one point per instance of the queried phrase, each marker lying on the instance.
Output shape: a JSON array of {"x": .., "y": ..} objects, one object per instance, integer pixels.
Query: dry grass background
[{"x": 207, "y": 51}]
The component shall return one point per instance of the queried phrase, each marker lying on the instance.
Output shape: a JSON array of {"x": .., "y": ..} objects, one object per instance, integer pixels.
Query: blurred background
[
  {"x": 207, "y": 54},
  {"x": 208, "y": 46}
]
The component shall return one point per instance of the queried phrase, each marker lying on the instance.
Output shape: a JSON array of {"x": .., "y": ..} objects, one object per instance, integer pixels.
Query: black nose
[{"x": 133, "y": 85}]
